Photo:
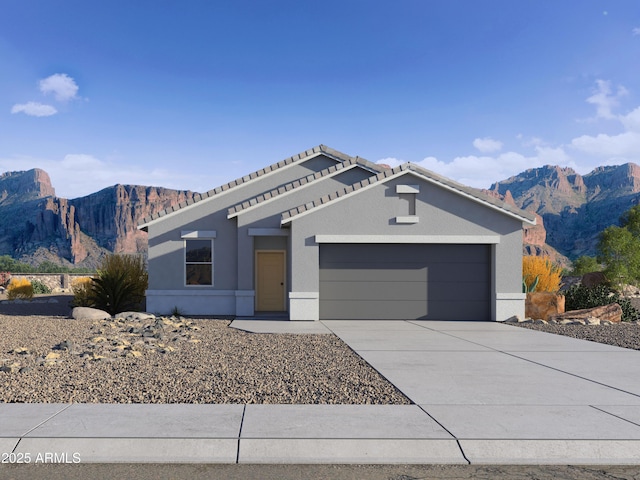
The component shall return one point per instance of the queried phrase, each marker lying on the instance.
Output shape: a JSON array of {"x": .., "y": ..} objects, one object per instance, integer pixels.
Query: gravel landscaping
[
  {"x": 625, "y": 334},
  {"x": 54, "y": 359},
  {"x": 172, "y": 360}
]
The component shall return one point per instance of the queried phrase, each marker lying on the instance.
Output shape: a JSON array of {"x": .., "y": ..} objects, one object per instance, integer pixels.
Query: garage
[{"x": 405, "y": 281}]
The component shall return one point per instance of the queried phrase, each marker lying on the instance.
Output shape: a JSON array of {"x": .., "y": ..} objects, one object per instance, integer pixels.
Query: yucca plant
[{"x": 120, "y": 284}]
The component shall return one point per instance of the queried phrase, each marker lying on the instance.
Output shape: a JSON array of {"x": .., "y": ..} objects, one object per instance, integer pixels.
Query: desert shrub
[
  {"x": 81, "y": 288},
  {"x": 19, "y": 288},
  {"x": 39, "y": 288},
  {"x": 585, "y": 264},
  {"x": 543, "y": 271},
  {"x": 579, "y": 297},
  {"x": 120, "y": 284}
]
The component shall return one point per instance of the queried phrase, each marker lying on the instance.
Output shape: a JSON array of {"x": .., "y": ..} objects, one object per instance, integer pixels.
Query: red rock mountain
[
  {"x": 574, "y": 208},
  {"x": 36, "y": 225}
]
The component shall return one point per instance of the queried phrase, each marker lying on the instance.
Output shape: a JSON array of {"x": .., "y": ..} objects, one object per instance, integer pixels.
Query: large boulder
[
  {"x": 87, "y": 313},
  {"x": 606, "y": 313},
  {"x": 593, "y": 279},
  {"x": 542, "y": 305}
]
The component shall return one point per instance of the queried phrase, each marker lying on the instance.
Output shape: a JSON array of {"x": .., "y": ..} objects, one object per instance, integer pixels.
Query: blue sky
[{"x": 191, "y": 94}]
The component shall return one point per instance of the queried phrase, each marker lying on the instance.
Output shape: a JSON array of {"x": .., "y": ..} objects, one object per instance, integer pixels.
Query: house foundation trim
[
  {"x": 304, "y": 305},
  {"x": 509, "y": 304},
  {"x": 245, "y": 300},
  {"x": 191, "y": 302}
]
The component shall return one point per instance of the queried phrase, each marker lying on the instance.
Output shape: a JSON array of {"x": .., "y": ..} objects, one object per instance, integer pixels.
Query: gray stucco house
[{"x": 322, "y": 235}]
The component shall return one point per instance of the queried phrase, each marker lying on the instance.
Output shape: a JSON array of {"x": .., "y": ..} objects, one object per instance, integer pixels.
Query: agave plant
[{"x": 529, "y": 288}]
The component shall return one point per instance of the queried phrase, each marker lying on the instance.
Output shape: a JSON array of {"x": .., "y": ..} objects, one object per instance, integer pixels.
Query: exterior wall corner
[
  {"x": 304, "y": 306},
  {"x": 509, "y": 304}
]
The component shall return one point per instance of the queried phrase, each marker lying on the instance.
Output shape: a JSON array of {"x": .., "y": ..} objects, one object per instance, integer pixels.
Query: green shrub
[
  {"x": 39, "y": 288},
  {"x": 585, "y": 264},
  {"x": 19, "y": 288},
  {"x": 579, "y": 297},
  {"x": 120, "y": 284}
]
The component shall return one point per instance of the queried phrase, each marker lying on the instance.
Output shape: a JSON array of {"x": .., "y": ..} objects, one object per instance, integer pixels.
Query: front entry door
[{"x": 270, "y": 281}]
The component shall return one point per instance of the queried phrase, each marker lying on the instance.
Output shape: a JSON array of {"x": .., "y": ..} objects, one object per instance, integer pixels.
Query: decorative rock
[
  {"x": 629, "y": 290},
  {"x": 514, "y": 319},
  {"x": 131, "y": 316},
  {"x": 21, "y": 351},
  {"x": 539, "y": 322},
  {"x": 593, "y": 279},
  {"x": 13, "y": 368},
  {"x": 592, "y": 321},
  {"x": 542, "y": 305},
  {"x": 65, "y": 345},
  {"x": 87, "y": 313},
  {"x": 610, "y": 313}
]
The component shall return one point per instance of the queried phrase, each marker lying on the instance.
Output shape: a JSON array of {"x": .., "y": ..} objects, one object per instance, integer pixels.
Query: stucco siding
[{"x": 166, "y": 252}]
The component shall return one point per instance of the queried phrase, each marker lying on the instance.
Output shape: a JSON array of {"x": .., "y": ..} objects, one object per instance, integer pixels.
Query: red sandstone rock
[
  {"x": 543, "y": 305},
  {"x": 611, "y": 313}
]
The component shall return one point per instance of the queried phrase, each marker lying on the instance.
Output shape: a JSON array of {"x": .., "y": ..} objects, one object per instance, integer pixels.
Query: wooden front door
[{"x": 270, "y": 281}]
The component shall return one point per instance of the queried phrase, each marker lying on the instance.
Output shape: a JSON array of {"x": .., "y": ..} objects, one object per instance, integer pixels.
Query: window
[{"x": 199, "y": 262}]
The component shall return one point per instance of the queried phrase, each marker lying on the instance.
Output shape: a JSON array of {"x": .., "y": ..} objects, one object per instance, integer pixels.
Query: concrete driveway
[{"x": 510, "y": 395}]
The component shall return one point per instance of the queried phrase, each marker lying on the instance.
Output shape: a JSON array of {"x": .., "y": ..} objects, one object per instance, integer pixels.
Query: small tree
[
  {"x": 619, "y": 250},
  {"x": 631, "y": 220}
]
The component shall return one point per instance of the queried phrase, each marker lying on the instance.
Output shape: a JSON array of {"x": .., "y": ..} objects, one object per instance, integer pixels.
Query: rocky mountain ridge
[
  {"x": 574, "y": 208},
  {"x": 36, "y": 225}
]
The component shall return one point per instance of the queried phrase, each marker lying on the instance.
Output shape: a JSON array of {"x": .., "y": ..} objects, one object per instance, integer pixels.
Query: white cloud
[
  {"x": 624, "y": 146},
  {"x": 605, "y": 100},
  {"x": 61, "y": 85},
  {"x": 34, "y": 109},
  {"x": 482, "y": 171},
  {"x": 635, "y": 31},
  {"x": 487, "y": 145},
  {"x": 613, "y": 148},
  {"x": 631, "y": 121}
]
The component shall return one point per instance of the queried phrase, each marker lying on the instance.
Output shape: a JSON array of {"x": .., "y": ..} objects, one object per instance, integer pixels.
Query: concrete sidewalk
[{"x": 483, "y": 393}]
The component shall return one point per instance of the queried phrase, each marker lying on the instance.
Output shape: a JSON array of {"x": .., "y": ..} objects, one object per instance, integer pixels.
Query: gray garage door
[{"x": 394, "y": 281}]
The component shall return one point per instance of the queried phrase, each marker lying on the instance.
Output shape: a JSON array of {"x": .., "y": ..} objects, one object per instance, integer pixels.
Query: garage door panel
[
  {"x": 386, "y": 281},
  {"x": 468, "y": 310},
  {"x": 456, "y": 291},
  {"x": 374, "y": 310},
  {"x": 417, "y": 274},
  {"x": 474, "y": 272},
  {"x": 391, "y": 291}
]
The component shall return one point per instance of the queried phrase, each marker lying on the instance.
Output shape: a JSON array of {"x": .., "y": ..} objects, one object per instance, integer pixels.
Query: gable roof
[
  {"x": 313, "y": 152},
  {"x": 301, "y": 182},
  {"x": 409, "y": 168}
]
